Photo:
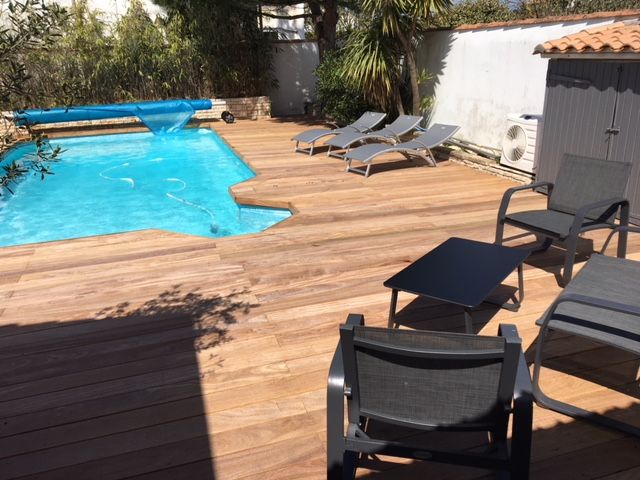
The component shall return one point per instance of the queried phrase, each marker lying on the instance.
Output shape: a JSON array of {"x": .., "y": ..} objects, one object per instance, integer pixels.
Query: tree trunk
[
  {"x": 325, "y": 21},
  {"x": 412, "y": 66}
]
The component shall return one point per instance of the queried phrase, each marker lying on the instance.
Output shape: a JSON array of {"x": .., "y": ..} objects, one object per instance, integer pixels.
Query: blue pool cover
[{"x": 99, "y": 112}]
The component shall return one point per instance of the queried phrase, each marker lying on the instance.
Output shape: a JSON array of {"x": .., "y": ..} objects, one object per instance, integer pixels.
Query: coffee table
[{"x": 462, "y": 272}]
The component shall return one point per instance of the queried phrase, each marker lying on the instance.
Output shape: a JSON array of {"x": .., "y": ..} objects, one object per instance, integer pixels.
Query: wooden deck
[{"x": 154, "y": 355}]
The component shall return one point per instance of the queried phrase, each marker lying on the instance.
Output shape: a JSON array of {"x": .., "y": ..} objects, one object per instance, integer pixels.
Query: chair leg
[
  {"x": 544, "y": 245},
  {"x": 567, "y": 271},
  {"x": 543, "y": 400},
  {"x": 499, "y": 232},
  {"x": 622, "y": 234}
]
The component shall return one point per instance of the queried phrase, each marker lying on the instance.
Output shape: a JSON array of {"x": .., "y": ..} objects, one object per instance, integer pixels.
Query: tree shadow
[{"x": 117, "y": 394}]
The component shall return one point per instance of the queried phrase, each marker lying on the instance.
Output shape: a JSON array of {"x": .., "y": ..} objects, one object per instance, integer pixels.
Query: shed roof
[{"x": 616, "y": 38}]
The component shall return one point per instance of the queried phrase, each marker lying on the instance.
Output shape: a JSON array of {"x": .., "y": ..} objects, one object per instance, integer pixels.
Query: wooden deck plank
[{"x": 155, "y": 355}]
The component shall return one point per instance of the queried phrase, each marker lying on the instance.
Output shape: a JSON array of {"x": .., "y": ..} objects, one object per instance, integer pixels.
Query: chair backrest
[
  {"x": 429, "y": 380},
  {"x": 403, "y": 124},
  {"x": 584, "y": 180},
  {"x": 368, "y": 120},
  {"x": 436, "y": 134}
]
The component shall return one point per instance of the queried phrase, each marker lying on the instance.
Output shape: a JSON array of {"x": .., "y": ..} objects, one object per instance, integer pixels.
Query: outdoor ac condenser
[{"x": 519, "y": 141}]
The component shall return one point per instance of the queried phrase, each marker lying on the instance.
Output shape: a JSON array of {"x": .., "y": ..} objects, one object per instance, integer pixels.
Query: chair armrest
[
  {"x": 335, "y": 403},
  {"x": 506, "y": 198},
  {"x": 582, "y": 212},
  {"x": 522, "y": 409},
  {"x": 621, "y": 228},
  {"x": 332, "y": 124}
]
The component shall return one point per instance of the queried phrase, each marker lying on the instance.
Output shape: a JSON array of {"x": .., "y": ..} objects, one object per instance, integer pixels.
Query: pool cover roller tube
[{"x": 99, "y": 112}]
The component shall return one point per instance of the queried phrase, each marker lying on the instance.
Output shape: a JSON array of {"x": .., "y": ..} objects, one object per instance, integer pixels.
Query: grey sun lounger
[
  {"x": 391, "y": 133},
  {"x": 367, "y": 122},
  {"x": 420, "y": 146}
]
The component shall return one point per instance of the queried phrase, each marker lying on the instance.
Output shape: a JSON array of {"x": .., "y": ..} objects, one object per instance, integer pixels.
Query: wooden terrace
[{"x": 155, "y": 355}]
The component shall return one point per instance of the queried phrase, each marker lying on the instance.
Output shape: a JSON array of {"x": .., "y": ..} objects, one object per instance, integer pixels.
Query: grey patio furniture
[
  {"x": 428, "y": 381},
  {"x": 420, "y": 147},
  {"x": 602, "y": 303},
  {"x": 367, "y": 122},
  {"x": 390, "y": 133},
  {"x": 587, "y": 195}
]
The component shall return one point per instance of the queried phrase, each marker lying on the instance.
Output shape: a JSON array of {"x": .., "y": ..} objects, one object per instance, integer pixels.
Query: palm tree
[
  {"x": 370, "y": 64},
  {"x": 403, "y": 21}
]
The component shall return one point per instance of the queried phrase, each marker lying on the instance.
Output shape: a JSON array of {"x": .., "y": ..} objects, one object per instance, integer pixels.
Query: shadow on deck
[{"x": 117, "y": 395}]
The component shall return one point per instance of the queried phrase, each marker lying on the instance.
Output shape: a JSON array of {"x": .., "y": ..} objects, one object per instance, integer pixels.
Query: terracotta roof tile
[{"x": 621, "y": 37}]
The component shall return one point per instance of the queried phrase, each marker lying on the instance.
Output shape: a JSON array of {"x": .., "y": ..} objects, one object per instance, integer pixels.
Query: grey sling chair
[
  {"x": 390, "y": 133},
  {"x": 586, "y": 196},
  {"x": 602, "y": 303},
  {"x": 428, "y": 381},
  {"x": 367, "y": 122},
  {"x": 420, "y": 147}
]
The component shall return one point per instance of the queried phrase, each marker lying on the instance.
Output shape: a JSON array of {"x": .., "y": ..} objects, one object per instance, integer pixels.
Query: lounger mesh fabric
[
  {"x": 309, "y": 136},
  {"x": 583, "y": 180},
  {"x": 434, "y": 136},
  {"x": 366, "y": 122},
  {"x": 609, "y": 278},
  {"x": 420, "y": 390},
  {"x": 400, "y": 126}
]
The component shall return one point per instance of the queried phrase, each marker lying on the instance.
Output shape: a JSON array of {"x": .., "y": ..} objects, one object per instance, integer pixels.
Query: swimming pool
[{"x": 117, "y": 183}]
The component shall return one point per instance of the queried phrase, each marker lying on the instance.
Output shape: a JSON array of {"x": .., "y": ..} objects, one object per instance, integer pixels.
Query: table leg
[
  {"x": 517, "y": 301},
  {"x": 392, "y": 308},
  {"x": 468, "y": 321},
  {"x": 518, "y": 298}
]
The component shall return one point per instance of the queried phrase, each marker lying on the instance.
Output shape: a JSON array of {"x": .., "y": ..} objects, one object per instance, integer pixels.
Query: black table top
[{"x": 459, "y": 271}]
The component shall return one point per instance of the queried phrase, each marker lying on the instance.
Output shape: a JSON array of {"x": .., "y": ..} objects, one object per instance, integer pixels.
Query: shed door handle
[{"x": 613, "y": 130}]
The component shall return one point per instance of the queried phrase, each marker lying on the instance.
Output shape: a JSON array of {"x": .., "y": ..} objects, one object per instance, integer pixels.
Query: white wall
[
  {"x": 293, "y": 65},
  {"x": 112, "y": 9},
  {"x": 482, "y": 75},
  {"x": 287, "y": 29}
]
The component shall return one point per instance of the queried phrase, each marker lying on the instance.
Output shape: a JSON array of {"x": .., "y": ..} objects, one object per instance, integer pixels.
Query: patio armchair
[
  {"x": 392, "y": 133},
  {"x": 602, "y": 303},
  {"x": 428, "y": 381},
  {"x": 587, "y": 195},
  {"x": 420, "y": 147},
  {"x": 367, "y": 122}
]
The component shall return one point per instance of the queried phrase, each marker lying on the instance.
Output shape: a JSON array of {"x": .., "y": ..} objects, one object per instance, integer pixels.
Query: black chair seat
[{"x": 551, "y": 221}]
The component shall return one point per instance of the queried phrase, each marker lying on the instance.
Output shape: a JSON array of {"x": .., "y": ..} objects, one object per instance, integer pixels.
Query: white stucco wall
[
  {"x": 482, "y": 75},
  {"x": 287, "y": 29},
  {"x": 293, "y": 66},
  {"x": 112, "y": 9}
]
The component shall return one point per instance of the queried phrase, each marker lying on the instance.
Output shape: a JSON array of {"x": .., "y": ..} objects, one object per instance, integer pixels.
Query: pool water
[{"x": 117, "y": 183}]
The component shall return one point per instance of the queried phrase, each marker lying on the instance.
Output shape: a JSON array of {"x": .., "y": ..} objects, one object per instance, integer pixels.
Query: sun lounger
[
  {"x": 391, "y": 133},
  {"x": 366, "y": 122},
  {"x": 420, "y": 146}
]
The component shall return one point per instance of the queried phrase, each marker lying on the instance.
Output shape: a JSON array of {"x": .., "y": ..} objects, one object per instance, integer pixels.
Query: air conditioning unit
[{"x": 519, "y": 141}]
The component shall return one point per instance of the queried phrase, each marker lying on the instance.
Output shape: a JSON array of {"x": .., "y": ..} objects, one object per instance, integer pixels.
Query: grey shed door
[
  {"x": 584, "y": 100},
  {"x": 625, "y": 146}
]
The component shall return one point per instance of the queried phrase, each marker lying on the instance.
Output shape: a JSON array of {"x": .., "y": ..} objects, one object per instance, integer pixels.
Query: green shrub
[
  {"x": 138, "y": 58},
  {"x": 338, "y": 101},
  {"x": 476, "y": 11}
]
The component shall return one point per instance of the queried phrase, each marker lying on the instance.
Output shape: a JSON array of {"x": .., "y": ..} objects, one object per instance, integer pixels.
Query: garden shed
[{"x": 592, "y": 101}]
